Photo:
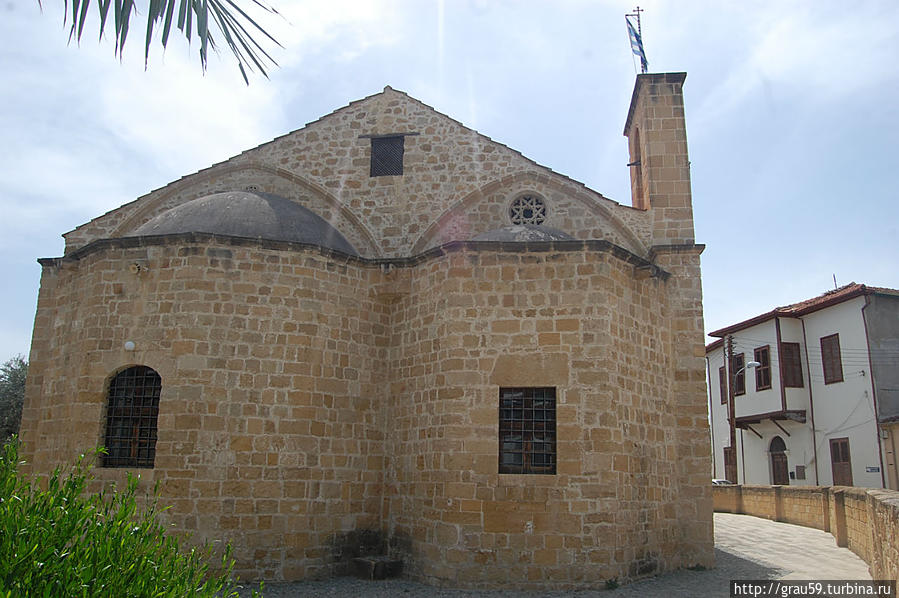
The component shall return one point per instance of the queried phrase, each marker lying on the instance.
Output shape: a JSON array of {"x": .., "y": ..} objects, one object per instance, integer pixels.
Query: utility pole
[{"x": 730, "y": 454}]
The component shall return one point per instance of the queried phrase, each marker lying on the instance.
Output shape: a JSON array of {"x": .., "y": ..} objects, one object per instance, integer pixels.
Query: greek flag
[{"x": 636, "y": 44}]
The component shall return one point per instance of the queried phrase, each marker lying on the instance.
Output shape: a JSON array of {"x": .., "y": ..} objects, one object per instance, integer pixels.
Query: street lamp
[
  {"x": 750, "y": 365},
  {"x": 733, "y": 414}
]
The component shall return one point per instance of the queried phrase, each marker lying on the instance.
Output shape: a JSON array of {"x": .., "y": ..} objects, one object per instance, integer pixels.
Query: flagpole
[{"x": 643, "y": 62}]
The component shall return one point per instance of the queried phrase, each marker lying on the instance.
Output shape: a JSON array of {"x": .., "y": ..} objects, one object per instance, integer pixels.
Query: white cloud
[
  {"x": 347, "y": 28},
  {"x": 185, "y": 121},
  {"x": 811, "y": 52}
]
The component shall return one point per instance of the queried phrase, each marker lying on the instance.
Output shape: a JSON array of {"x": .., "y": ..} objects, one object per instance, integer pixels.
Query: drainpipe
[
  {"x": 742, "y": 456},
  {"x": 708, "y": 372},
  {"x": 874, "y": 393},
  {"x": 811, "y": 403}
]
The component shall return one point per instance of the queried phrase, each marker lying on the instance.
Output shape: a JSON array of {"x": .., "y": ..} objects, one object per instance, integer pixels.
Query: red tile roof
[{"x": 801, "y": 308}]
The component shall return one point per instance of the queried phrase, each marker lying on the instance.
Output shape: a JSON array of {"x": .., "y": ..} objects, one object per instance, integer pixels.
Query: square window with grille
[
  {"x": 527, "y": 430},
  {"x": 131, "y": 414},
  {"x": 387, "y": 156}
]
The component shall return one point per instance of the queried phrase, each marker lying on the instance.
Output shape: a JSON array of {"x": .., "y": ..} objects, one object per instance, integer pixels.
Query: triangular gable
[{"x": 324, "y": 166}]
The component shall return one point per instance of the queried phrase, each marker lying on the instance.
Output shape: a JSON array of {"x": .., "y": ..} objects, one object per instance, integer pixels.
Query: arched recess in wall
[
  {"x": 636, "y": 164},
  {"x": 131, "y": 415},
  {"x": 462, "y": 211},
  {"x": 272, "y": 180}
]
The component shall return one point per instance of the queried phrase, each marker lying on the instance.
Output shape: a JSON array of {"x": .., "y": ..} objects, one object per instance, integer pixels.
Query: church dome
[
  {"x": 524, "y": 232},
  {"x": 247, "y": 214}
]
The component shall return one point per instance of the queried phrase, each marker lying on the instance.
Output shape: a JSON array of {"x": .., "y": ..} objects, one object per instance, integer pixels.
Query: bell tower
[{"x": 658, "y": 160}]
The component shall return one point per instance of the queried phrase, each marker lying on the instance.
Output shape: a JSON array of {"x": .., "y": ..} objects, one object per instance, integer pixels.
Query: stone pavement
[
  {"x": 798, "y": 552},
  {"x": 746, "y": 547}
]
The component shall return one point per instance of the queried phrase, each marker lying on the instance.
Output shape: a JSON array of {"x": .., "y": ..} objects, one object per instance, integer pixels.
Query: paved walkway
[
  {"x": 796, "y": 552},
  {"x": 751, "y": 548},
  {"x": 745, "y": 548}
]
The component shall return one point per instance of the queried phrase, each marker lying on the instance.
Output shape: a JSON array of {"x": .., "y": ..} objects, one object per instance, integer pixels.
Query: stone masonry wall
[
  {"x": 883, "y": 522},
  {"x": 759, "y": 502},
  {"x": 805, "y": 507},
  {"x": 315, "y": 406},
  {"x": 273, "y": 371},
  {"x": 858, "y": 528},
  {"x": 580, "y": 322},
  {"x": 683, "y": 335},
  {"x": 808, "y": 506},
  {"x": 727, "y": 502}
]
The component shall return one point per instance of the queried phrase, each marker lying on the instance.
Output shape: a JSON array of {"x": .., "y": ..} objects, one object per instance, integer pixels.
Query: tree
[
  {"x": 194, "y": 18},
  {"x": 12, "y": 395}
]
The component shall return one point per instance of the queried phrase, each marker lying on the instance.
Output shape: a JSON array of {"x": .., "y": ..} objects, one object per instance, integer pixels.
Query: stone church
[{"x": 387, "y": 334}]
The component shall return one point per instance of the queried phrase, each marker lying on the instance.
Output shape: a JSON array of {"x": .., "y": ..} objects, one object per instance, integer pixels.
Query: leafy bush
[{"x": 62, "y": 541}]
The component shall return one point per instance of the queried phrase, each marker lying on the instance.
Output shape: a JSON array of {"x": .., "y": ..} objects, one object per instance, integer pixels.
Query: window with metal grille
[
  {"x": 387, "y": 156},
  {"x": 722, "y": 384},
  {"x": 131, "y": 413},
  {"x": 831, "y": 359},
  {"x": 527, "y": 209},
  {"x": 791, "y": 364},
  {"x": 527, "y": 430},
  {"x": 763, "y": 372},
  {"x": 738, "y": 366}
]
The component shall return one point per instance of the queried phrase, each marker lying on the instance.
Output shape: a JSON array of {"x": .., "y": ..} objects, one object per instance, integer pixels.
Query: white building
[{"x": 822, "y": 405}]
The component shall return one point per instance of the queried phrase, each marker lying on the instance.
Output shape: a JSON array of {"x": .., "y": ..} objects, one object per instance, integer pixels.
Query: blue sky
[{"x": 792, "y": 120}]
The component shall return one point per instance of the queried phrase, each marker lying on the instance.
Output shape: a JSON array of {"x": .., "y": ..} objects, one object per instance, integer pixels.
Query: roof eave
[
  {"x": 794, "y": 311},
  {"x": 760, "y": 319}
]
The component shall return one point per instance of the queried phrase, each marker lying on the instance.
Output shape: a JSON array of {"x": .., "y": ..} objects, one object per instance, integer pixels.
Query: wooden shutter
[
  {"x": 722, "y": 384},
  {"x": 763, "y": 371},
  {"x": 831, "y": 360},
  {"x": 792, "y": 365}
]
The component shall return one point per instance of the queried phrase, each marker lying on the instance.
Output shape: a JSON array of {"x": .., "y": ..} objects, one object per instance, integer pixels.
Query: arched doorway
[{"x": 779, "y": 471}]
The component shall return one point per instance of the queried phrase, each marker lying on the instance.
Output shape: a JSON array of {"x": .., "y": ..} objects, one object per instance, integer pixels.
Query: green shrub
[{"x": 62, "y": 541}]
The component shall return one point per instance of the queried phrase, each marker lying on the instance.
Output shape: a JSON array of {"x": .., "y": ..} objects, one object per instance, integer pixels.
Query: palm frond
[{"x": 194, "y": 17}]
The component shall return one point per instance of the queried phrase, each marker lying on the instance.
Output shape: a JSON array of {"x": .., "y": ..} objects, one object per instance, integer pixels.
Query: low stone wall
[
  {"x": 866, "y": 521},
  {"x": 858, "y": 527}
]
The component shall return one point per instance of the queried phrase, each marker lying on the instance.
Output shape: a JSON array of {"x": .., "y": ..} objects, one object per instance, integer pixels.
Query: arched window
[
  {"x": 777, "y": 445},
  {"x": 131, "y": 411},
  {"x": 638, "y": 200}
]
